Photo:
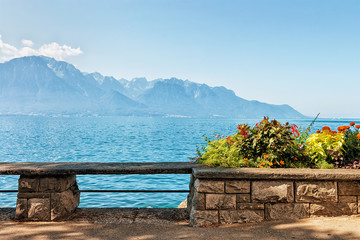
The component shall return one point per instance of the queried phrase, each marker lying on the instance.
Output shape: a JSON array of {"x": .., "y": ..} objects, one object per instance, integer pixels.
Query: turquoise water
[{"x": 115, "y": 139}]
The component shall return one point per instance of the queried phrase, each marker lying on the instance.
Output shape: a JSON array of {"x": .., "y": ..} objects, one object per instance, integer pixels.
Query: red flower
[
  {"x": 357, "y": 126},
  {"x": 228, "y": 139},
  {"x": 318, "y": 131},
  {"x": 294, "y": 130},
  {"x": 352, "y": 124}
]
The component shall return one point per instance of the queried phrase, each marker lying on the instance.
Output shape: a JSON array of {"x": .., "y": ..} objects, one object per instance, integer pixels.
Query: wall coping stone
[{"x": 277, "y": 173}]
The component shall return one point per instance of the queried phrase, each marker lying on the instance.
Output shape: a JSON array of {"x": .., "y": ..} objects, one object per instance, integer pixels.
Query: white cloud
[
  {"x": 54, "y": 50},
  {"x": 27, "y": 43}
]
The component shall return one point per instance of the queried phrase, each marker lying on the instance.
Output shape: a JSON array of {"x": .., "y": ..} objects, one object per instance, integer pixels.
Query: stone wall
[
  {"x": 45, "y": 198},
  {"x": 237, "y": 199}
]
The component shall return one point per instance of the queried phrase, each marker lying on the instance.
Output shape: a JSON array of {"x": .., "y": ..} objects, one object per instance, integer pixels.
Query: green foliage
[
  {"x": 352, "y": 144},
  {"x": 271, "y": 144},
  {"x": 325, "y": 146},
  {"x": 267, "y": 144},
  {"x": 324, "y": 165}
]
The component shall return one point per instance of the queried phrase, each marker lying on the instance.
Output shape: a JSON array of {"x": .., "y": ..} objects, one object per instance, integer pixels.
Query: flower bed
[
  {"x": 235, "y": 191},
  {"x": 270, "y": 144}
]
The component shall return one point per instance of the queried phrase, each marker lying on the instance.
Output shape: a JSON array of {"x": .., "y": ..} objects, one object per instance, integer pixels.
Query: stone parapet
[
  {"x": 46, "y": 198},
  {"x": 224, "y": 196}
]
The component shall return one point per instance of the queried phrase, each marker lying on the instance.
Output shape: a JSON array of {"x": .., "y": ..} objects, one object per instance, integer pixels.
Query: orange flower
[
  {"x": 352, "y": 124},
  {"x": 270, "y": 163},
  {"x": 357, "y": 126},
  {"x": 292, "y": 164},
  {"x": 295, "y": 158},
  {"x": 245, "y": 159},
  {"x": 262, "y": 163},
  {"x": 358, "y": 136},
  {"x": 260, "y": 166},
  {"x": 343, "y": 128},
  {"x": 265, "y": 156},
  {"x": 326, "y": 128},
  {"x": 333, "y": 132},
  {"x": 318, "y": 131},
  {"x": 282, "y": 162}
]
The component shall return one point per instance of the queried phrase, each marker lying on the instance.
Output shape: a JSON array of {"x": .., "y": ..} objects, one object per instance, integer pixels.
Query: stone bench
[{"x": 48, "y": 191}]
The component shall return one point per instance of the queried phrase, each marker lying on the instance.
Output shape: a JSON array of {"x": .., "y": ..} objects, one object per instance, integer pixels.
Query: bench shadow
[{"x": 132, "y": 223}]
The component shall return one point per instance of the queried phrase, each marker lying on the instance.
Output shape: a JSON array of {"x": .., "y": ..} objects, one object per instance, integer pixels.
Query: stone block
[
  {"x": 280, "y": 211},
  {"x": 192, "y": 180},
  {"x": 243, "y": 198},
  {"x": 241, "y": 216},
  {"x": 28, "y": 184},
  {"x": 220, "y": 201},
  {"x": 272, "y": 191},
  {"x": 237, "y": 186},
  {"x": 39, "y": 209},
  {"x": 316, "y": 191},
  {"x": 347, "y": 199},
  {"x": 198, "y": 201},
  {"x": 56, "y": 183},
  {"x": 33, "y": 195},
  {"x": 63, "y": 204},
  {"x": 21, "y": 211},
  {"x": 203, "y": 218},
  {"x": 250, "y": 206},
  {"x": 333, "y": 209},
  {"x": 209, "y": 186},
  {"x": 349, "y": 187}
]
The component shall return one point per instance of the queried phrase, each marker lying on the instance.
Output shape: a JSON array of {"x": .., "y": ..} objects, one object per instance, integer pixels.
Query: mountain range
[{"x": 42, "y": 85}]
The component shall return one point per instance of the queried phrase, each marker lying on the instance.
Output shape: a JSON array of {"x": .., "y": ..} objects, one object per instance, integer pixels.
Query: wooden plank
[{"x": 82, "y": 168}]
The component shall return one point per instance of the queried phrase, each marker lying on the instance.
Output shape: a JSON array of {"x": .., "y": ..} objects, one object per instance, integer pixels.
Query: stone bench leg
[{"x": 46, "y": 198}]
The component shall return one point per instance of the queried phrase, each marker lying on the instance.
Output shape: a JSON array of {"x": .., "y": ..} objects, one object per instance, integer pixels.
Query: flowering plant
[
  {"x": 271, "y": 144},
  {"x": 267, "y": 144},
  {"x": 325, "y": 147},
  {"x": 340, "y": 149}
]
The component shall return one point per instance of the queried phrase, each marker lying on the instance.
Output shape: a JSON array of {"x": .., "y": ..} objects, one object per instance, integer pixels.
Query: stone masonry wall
[
  {"x": 44, "y": 198},
  {"x": 224, "y": 201}
]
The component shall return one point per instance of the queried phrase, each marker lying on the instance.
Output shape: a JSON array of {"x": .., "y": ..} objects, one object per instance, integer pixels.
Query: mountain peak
[{"x": 39, "y": 84}]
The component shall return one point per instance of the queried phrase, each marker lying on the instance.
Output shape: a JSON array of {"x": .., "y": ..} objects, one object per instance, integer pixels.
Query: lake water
[{"x": 116, "y": 139}]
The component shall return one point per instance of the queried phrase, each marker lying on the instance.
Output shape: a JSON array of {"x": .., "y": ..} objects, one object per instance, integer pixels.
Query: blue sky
[{"x": 304, "y": 53}]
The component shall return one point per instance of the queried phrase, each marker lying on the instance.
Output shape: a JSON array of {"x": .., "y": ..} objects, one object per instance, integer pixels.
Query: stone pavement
[{"x": 143, "y": 224}]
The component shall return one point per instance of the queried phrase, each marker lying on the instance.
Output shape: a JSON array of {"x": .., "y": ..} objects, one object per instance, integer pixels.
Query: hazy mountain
[{"x": 45, "y": 86}]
